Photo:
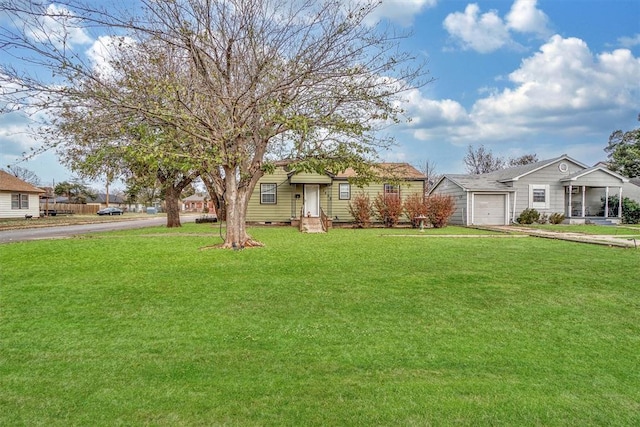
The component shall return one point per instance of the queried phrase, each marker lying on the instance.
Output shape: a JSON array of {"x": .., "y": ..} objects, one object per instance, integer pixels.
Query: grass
[
  {"x": 347, "y": 328},
  {"x": 623, "y": 229}
]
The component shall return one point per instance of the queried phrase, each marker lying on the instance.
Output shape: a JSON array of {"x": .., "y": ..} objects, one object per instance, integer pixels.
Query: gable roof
[
  {"x": 575, "y": 176},
  {"x": 478, "y": 182},
  {"x": 516, "y": 172},
  {"x": 388, "y": 170},
  {"x": 9, "y": 182},
  {"x": 102, "y": 198}
]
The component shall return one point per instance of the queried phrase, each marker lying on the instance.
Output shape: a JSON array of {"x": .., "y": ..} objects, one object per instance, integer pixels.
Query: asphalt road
[{"x": 65, "y": 231}]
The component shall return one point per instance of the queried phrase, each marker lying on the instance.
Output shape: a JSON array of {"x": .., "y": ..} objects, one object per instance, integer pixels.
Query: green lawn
[
  {"x": 345, "y": 328},
  {"x": 622, "y": 229}
]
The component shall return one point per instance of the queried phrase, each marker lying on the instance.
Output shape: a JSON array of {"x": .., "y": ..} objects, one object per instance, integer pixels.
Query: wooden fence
[{"x": 67, "y": 208}]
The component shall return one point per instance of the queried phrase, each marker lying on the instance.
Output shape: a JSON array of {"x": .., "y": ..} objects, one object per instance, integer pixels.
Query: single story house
[
  {"x": 18, "y": 199},
  {"x": 100, "y": 199},
  {"x": 559, "y": 185},
  {"x": 286, "y": 195},
  {"x": 197, "y": 203}
]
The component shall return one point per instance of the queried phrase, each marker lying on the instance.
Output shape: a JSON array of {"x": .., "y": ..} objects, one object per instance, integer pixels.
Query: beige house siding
[
  {"x": 288, "y": 206},
  {"x": 278, "y": 212},
  {"x": 7, "y": 212},
  {"x": 340, "y": 208}
]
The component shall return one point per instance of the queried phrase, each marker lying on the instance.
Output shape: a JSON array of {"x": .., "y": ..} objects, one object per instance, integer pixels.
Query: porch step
[
  {"x": 312, "y": 225},
  {"x": 602, "y": 222}
]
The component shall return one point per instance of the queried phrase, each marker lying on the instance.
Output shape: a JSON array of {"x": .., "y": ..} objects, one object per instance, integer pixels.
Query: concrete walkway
[{"x": 605, "y": 240}]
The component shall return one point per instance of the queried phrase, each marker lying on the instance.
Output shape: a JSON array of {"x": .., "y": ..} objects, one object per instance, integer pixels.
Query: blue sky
[{"x": 548, "y": 77}]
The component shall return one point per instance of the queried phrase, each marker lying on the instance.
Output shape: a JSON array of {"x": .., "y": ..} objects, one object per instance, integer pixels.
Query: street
[{"x": 65, "y": 231}]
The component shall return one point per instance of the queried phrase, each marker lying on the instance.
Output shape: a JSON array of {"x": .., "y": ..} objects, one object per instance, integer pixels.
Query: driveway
[
  {"x": 66, "y": 231},
  {"x": 606, "y": 240}
]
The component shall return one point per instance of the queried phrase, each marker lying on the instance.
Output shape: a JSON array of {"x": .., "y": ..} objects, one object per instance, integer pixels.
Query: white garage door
[{"x": 489, "y": 209}]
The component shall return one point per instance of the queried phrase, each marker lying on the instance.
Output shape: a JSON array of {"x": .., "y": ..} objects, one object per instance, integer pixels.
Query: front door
[{"x": 312, "y": 200}]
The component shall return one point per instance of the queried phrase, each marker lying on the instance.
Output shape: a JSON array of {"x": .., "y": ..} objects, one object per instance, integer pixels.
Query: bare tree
[
  {"x": 24, "y": 174},
  {"x": 429, "y": 169},
  {"x": 235, "y": 80},
  {"x": 480, "y": 160},
  {"x": 525, "y": 159}
]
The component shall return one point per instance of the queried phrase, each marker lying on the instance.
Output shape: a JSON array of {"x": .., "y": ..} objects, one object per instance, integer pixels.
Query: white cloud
[
  {"x": 562, "y": 84},
  {"x": 629, "y": 41},
  {"x": 400, "y": 11},
  {"x": 524, "y": 17},
  {"x": 483, "y": 33},
  {"x": 563, "y": 89},
  {"x": 103, "y": 50},
  {"x": 60, "y": 27},
  {"x": 488, "y": 32}
]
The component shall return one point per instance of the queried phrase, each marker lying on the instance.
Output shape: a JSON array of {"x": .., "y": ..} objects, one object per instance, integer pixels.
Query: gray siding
[
  {"x": 449, "y": 188},
  {"x": 551, "y": 176}
]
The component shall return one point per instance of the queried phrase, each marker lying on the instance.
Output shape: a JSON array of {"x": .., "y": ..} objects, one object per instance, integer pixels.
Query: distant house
[
  {"x": 559, "y": 185},
  {"x": 101, "y": 200},
  {"x": 286, "y": 195},
  {"x": 197, "y": 203},
  {"x": 18, "y": 199},
  {"x": 632, "y": 189}
]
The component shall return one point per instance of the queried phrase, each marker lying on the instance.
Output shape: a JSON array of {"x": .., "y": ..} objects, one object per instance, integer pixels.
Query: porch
[{"x": 593, "y": 205}]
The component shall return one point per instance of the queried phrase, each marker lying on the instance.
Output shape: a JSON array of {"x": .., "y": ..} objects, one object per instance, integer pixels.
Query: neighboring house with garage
[
  {"x": 18, "y": 199},
  {"x": 559, "y": 185},
  {"x": 287, "y": 195}
]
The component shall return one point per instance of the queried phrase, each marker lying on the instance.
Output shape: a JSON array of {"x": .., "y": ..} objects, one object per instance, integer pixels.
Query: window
[
  {"x": 268, "y": 194},
  {"x": 345, "y": 191},
  {"x": 391, "y": 190},
  {"x": 539, "y": 196},
  {"x": 19, "y": 201}
]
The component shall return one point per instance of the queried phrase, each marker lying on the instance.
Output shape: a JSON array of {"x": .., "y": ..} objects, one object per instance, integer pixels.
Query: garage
[{"x": 489, "y": 209}]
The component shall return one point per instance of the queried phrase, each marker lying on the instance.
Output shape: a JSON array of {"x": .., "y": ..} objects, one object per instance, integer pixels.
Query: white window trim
[
  {"x": 23, "y": 201},
  {"x": 273, "y": 192},
  {"x": 539, "y": 205},
  {"x": 347, "y": 192}
]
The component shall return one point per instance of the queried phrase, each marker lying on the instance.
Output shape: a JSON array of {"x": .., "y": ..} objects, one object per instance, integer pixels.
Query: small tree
[
  {"x": 361, "y": 209},
  {"x": 388, "y": 209},
  {"x": 480, "y": 160},
  {"x": 440, "y": 207},
  {"x": 415, "y": 206}
]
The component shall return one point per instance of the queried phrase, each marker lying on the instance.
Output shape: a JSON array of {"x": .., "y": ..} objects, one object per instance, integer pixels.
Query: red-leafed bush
[
  {"x": 414, "y": 206},
  {"x": 440, "y": 207},
  {"x": 361, "y": 210},
  {"x": 388, "y": 209}
]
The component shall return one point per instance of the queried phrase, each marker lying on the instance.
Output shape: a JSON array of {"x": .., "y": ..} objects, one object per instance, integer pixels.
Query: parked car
[{"x": 110, "y": 211}]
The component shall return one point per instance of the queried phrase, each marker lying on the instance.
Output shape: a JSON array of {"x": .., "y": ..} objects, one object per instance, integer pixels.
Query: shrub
[
  {"x": 414, "y": 206},
  {"x": 361, "y": 210},
  {"x": 388, "y": 209},
  {"x": 440, "y": 207},
  {"x": 630, "y": 209},
  {"x": 528, "y": 216},
  {"x": 556, "y": 218}
]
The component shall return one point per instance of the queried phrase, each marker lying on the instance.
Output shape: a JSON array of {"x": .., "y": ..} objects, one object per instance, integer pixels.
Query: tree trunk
[
  {"x": 172, "y": 206},
  {"x": 236, "y": 202}
]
